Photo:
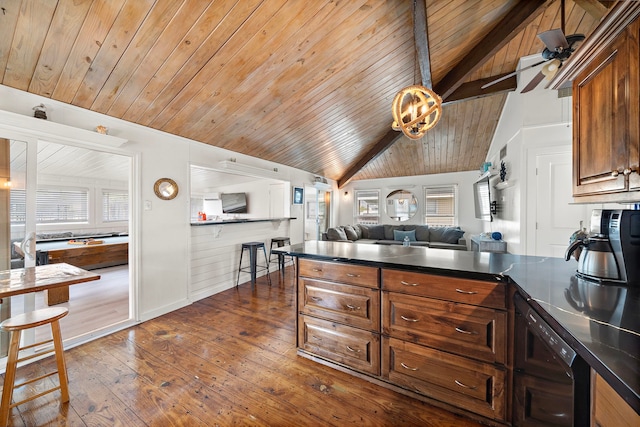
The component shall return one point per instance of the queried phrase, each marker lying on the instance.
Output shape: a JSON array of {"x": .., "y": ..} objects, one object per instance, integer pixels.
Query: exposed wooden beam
[
  {"x": 387, "y": 141},
  {"x": 593, "y": 8},
  {"x": 473, "y": 90},
  {"x": 422, "y": 41},
  {"x": 422, "y": 51},
  {"x": 514, "y": 21}
]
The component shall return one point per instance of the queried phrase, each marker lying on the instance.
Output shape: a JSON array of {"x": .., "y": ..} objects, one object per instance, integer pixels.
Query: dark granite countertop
[{"x": 601, "y": 322}]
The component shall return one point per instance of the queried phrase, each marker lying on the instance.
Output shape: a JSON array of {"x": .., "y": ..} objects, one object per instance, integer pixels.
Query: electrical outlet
[{"x": 147, "y": 205}]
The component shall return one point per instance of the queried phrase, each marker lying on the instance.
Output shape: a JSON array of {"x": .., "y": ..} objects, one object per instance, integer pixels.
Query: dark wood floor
[{"x": 229, "y": 359}]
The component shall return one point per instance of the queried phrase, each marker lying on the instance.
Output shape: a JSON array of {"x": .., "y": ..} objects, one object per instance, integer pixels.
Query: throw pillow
[
  {"x": 376, "y": 232},
  {"x": 358, "y": 230},
  {"x": 400, "y": 235},
  {"x": 365, "y": 231},
  {"x": 336, "y": 233},
  {"x": 388, "y": 230},
  {"x": 350, "y": 232},
  {"x": 422, "y": 233},
  {"x": 446, "y": 234}
]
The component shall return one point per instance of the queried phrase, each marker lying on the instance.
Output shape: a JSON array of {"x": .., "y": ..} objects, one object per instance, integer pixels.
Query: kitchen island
[{"x": 607, "y": 338}]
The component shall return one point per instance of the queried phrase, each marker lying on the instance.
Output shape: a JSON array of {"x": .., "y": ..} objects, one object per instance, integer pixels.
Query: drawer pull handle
[
  {"x": 464, "y": 331},
  {"x": 460, "y": 291},
  {"x": 317, "y": 270},
  {"x": 353, "y": 350},
  {"x": 407, "y": 283},
  {"x": 408, "y": 367},
  {"x": 316, "y": 299},
  {"x": 352, "y": 275},
  {"x": 352, "y": 307},
  {"x": 316, "y": 337},
  {"x": 408, "y": 319},
  {"x": 464, "y": 385}
]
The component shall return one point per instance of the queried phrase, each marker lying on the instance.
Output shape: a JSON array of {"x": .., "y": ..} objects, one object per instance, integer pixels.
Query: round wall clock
[{"x": 165, "y": 188}]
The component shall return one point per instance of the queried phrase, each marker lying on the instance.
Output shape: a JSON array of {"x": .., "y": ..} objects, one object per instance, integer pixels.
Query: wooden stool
[
  {"x": 16, "y": 325},
  {"x": 253, "y": 268}
]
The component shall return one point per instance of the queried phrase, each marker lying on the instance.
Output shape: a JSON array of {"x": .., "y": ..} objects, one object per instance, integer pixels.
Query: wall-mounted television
[
  {"x": 234, "y": 202},
  {"x": 482, "y": 199}
]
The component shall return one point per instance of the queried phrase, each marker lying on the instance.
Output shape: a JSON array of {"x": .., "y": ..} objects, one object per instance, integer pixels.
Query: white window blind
[
  {"x": 62, "y": 206},
  {"x": 115, "y": 206},
  {"x": 18, "y": 206},
  {"x": 366, "y": 206},
  {"x": 440, "y": 203}
]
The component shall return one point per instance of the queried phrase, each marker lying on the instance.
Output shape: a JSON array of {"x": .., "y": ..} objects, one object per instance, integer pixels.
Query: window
[
  {"x": 366, "y": 207},
  {"x": 440, "y": 203},
  {"x": 62, "y": 206},
  {"x": 115, "y": 206},
  {"x": 52, "y": 206}
]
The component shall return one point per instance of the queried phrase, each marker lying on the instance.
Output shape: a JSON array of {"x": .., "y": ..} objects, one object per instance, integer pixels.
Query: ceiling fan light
[
  {"x": 416, "y": 109},
  {"x": 551, "y": 68}
]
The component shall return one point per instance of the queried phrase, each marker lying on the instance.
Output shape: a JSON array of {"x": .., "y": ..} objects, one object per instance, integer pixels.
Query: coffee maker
[{"x": 624, "y": 235}]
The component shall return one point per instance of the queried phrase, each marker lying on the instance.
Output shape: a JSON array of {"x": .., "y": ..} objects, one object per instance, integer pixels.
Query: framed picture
[{"x": 298, "y": 195}]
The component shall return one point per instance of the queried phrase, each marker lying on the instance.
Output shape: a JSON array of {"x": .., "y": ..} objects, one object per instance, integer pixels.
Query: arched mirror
[{"x": 401, "y": 205}]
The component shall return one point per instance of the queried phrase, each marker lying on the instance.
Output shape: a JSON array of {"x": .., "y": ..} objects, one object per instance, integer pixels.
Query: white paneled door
[{"x": 556, "y": 218}]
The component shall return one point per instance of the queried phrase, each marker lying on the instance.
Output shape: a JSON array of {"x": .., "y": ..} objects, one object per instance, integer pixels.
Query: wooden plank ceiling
[{"x": 308, "y": 84}]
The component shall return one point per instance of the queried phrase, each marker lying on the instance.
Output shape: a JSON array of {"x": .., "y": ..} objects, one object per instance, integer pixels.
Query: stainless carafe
[{"x": 597, "y": 259}]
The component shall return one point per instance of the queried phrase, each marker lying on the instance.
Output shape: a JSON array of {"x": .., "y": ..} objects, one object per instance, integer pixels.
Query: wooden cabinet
[
  {"x": 339, "y": 313},
  {"x": 446, "y": 338},
  {"x": 606, "y": 122},
  {"x": 609, "y": 409},
  {"x": 432, "y": 337}
]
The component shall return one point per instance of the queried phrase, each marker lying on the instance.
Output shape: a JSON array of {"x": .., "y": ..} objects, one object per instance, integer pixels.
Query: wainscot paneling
[{"x": 215, "y": 253}]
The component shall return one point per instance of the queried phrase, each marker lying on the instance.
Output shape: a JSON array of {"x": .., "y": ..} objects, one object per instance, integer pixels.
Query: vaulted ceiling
[{"x": 304, "y": 83}]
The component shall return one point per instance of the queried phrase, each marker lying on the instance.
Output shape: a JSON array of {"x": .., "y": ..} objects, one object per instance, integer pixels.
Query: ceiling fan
[{"x": 558, "y": 49}]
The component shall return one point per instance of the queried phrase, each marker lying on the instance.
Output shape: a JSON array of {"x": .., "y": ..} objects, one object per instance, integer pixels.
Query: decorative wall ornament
[{"x": 40, "y": 112}]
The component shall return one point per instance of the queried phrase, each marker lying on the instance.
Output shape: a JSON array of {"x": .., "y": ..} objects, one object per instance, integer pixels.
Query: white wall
[{"x": 160, "y": 236}]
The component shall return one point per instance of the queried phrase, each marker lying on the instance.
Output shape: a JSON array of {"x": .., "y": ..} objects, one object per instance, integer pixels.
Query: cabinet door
[
  {"x": 347, "y": 304},
  {"x": 352, "y": 347},
  {"x": 471, "y": 331},
  {"x": 344, "y": 273},
  {"x": 609, "y": 409},
  {"x": 601, "y": 129},
  {"x": 476, "y": 292},
  {"x": 468, "y": 384}
]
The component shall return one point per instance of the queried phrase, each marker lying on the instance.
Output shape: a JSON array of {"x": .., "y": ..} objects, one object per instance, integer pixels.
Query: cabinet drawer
[
  {"x": 344, "y": 273},
  {"x": 463, "y": 329},
  {"x": 468, "y": 384},
  {"x": 349, "y": 346},
  {"x": 347, "y": 304},
  {"x": 468, "y": 291}
]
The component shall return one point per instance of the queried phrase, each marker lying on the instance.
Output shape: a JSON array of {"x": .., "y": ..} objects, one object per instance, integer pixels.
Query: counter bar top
[
  {"x": 601, "y": 322},
  {"x": 237, "y": 221}
]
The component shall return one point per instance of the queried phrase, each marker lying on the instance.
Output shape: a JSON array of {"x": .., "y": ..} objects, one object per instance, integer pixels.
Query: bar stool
[
  {"x": 280, "y": 242},
  {"x": 15, "y": 325},
  {"x": 253, "y": 267}
]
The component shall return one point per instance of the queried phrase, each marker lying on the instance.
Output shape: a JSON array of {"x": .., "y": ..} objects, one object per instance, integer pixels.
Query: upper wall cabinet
[{"x": 606, "y": 131}]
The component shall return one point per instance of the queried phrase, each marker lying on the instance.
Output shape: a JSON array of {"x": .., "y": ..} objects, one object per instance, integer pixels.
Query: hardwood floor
[
  {"x": 93, "y": 306},
  {"x": 229, "y": 359}
]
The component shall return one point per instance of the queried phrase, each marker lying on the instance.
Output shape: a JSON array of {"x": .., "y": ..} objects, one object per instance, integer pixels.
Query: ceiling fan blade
[
  {"x": 554, "y": 39},
  {"x": 533, "y": 83},
  {"x": 486, "y": 85}
]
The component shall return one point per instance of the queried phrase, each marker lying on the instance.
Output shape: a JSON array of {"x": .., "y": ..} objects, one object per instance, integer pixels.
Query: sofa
[{"x": 389, "y": 234}]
